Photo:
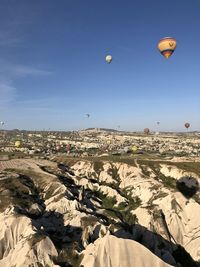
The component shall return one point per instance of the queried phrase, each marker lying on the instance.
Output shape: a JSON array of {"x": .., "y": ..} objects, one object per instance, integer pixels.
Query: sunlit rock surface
[
  {"x": 96, "y": 214},
  {"x": 111, "y": 252}
]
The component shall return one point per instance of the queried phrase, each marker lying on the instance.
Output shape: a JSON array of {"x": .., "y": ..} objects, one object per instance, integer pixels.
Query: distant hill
[{"x": 101, "y": 129}]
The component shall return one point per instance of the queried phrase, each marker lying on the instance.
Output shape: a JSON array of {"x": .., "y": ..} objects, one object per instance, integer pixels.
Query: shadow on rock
[
  {"x": 27, "y": 199},
  {"x": 166, "y": 250},
  {"x": 52, "y": 223},
  {"x": 66, "y": 239},
  {"x": 188, "y": 186},
  {"x": 184, "y": 258}
]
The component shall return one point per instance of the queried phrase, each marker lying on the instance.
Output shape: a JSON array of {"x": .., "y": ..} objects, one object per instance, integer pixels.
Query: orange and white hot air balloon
[{"x": 167, "y": 46}]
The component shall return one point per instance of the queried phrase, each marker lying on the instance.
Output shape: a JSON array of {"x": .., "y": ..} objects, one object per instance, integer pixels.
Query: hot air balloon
[
  {"x": 187, "y": 125},
  {"x": 167, "y": 46},
  {"x": 146, "y": 130},
  {"x": 108, "y": 59},
  {"x": 58, "y": 147},
  {"x": 134, "y": 148},
  {"x": 67, "y": 147},
  {"x": 17, "y": 143},
  {"x": 158, "y": 123},
  {"x": 87, "y": 115}
]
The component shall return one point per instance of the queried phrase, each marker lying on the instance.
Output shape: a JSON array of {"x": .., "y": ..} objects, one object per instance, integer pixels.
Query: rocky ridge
[{"x": 55, "y": 215}]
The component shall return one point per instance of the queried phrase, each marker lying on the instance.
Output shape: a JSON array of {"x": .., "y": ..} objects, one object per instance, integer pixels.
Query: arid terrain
[{"x": 97, "y": 211}]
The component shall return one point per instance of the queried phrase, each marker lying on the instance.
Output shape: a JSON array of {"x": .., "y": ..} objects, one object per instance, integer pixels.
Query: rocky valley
[{"x": 99, "y": 212}]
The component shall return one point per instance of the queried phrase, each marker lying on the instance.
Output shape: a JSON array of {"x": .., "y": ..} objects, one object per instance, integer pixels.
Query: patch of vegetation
[
  {"x": 133, "y": 202},
  {"x": 98, "y": 167},
  {"x": 14, "y": 155},
  {"x": 197, "y": 198},
  {"x": 145, "y": 170},
  {"x": 160, "y": 195},
  {"x": 156, "y": 214},
  {"x": 130, "y": 160},
  {"x": 18, "y": 194},
  {"x": 123, "y": 211},
  {"x": 153, "y": 165},
  {"x": 69, "y": 257},
  {"x": 189, "y": 166},
  {"x": 167, "y": 181},
  {"x": 130, "y": 219},
  {"x": 185, "y": 166},
  {"x": 51, "y": 190},
  {"x": 108, "y": 202},
  {"x": 88, "y": 220},
  {"x": 40, "y": 180},
  {"x": 35, "y": 239},
  {"x": 22, "y": 191},
  {"x": 111, "y": 213},
  {"x": 155, "y": 187}
]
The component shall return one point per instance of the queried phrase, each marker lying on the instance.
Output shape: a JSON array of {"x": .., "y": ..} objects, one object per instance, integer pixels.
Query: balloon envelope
[
  {"x": 58, "y": 147},
  {"x": 187, "y": 125},
  {"x": 134, "y": 148},
  {"x": 167, "y": 46},
  {"x": 17, "y": 144},
  {"x": 146, "y": 130},
  {"x": 108, "y": 59}
]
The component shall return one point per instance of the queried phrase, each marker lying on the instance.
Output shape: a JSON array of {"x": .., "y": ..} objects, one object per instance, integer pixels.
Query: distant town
[{"x": 96, "y": 142}]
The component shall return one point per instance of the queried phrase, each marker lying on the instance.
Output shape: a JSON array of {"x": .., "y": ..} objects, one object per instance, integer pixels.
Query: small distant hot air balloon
[
  {"x": 17, "y": 143},
  {"x": 146, "y": 131},
  {"x": 167, "y": 46},
  {"x": 87, "y": 115},
  {"x": 108, "y": 59},
  {"x": 68, "y": 147},
  {"x": 187, "y": 125},
  {"x": 158, "y": 123},
  {"x": 58, "y": 147},
  {"x": 134, "y": 148}
]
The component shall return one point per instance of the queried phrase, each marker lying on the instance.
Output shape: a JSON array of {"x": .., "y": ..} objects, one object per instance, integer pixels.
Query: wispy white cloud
[
  {"x": 20, "y": 70},
  {"x": 51, "y": 105},
  {"x": 13, "y": 70},
  {"x": 7, "y": 92},
  {"x": 9, "y": 73},
  {"x": 8, "y": 39}
]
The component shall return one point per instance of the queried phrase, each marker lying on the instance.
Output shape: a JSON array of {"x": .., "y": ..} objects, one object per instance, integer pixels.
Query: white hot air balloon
[{"x": 109, "y": 59}]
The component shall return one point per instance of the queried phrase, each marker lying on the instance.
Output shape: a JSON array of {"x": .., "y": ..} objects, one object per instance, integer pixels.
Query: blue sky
[{"x": 52, "y": 67}]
